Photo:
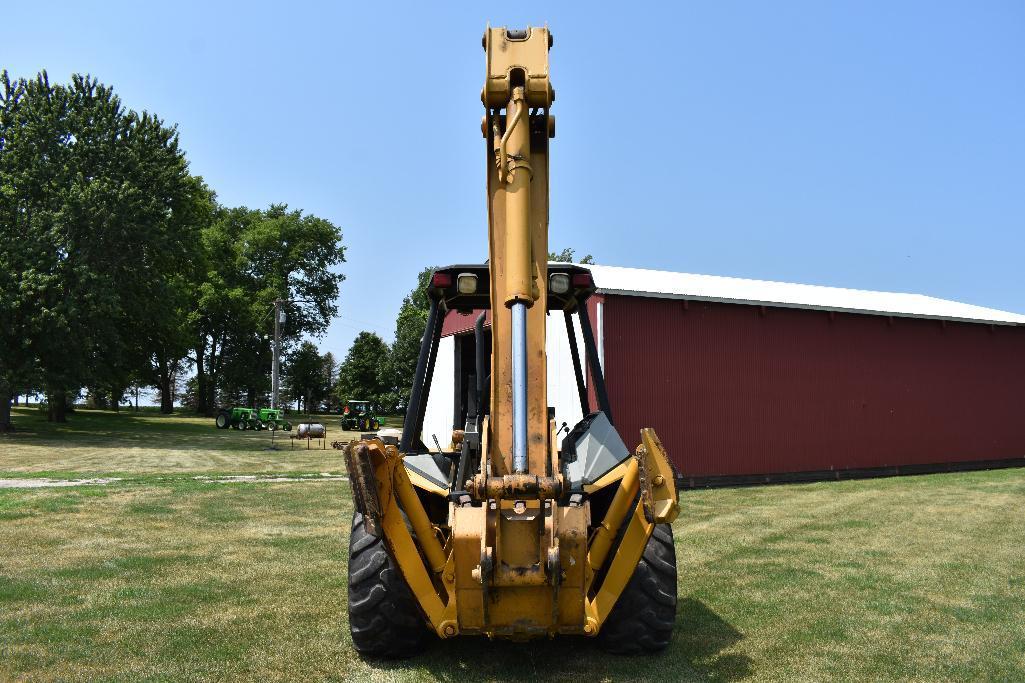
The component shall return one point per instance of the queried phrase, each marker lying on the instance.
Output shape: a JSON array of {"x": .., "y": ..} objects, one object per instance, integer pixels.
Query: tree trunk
[
  {"x": 211, "y": 396},
  {"x": 213, "y": 372},
  {"x": 164, "y": 383},
  {"x": 201, "y": 404},
  {"x": 206, "y": 378},
  {"x": 58, "y": 407},
  {"x": 5, "y": 407},
  {"x": 251, "y": 397},
  {"x": 166, "y": 393}
]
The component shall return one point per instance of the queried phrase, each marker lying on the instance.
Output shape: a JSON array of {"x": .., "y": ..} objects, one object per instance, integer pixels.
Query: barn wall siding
[{"x": 737, "y": 390}]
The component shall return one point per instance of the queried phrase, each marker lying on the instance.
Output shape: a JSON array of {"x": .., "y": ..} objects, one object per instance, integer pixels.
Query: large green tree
[
  {"x": 251, "y": 258},
  {"x": 115, "y": 263},
  {"x": 304, "y": 374},
  {"x": 409, "y": 330},
  {"x": 170, "y": 336},
  {"x": 329, "y": 372},
  {"x": 96, "y": 213},
  {"x": 363, "y": 373}
]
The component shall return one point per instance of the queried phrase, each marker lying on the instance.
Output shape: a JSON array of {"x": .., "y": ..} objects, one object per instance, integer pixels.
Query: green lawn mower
[{"x": 251, "y": 418}]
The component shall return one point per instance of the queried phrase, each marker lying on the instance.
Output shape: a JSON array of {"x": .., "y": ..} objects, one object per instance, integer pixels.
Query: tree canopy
[
  {"x": 566, "y": 256},
  {"x": 362, "y": 375},
  {"x": 98, "y": 212},
  {"x": 118, "y": 268},
  {"x": 251, "y": 258},
  {"x": 409, "y": 330}
]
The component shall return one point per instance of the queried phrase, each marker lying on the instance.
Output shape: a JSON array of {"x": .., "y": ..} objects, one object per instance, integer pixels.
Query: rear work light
[
  {"x": 442, "y": 280},
  {"x": 466, "y": 283},
  {"x": 583, "y": 281},
  {"x": 559, "y": 283}
]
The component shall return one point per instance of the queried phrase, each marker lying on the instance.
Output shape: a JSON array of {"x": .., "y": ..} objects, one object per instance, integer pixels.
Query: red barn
[{"x": 749, "y": 380}]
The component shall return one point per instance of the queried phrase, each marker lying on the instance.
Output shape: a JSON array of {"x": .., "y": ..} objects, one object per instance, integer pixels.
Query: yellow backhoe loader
[{"x": 503, "y": 533}]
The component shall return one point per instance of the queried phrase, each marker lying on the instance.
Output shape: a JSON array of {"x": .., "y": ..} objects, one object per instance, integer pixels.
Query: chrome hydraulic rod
[{"x": 519, "y": 386}]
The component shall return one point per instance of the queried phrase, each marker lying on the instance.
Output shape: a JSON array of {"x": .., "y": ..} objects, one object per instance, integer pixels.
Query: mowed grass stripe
[
  {"x": 162, "y": 576},
  {"x": 104, "y": 444},
  {"x": 915, "y": 578}
]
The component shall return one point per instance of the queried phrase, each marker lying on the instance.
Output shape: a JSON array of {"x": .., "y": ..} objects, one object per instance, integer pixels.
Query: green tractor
[
  {"x": 251, "y": 418},
  {"x": 358, "y": 416},
  {"x": 274, "y": 419}
]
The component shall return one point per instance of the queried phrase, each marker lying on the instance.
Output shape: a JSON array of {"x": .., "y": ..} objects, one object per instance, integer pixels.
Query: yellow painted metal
[
  {"x": 517, "y": 163},
  {"x": 521, "y": 548},
  {"x": 661, "y": 477},
  {"x": 418, "y": 519},
  {"x": 572, "y": 589},
  {"x": 514, "y": 603},
  {"x": 505, "y": 54},
  {"x": 514, "y": 171},
  {"x": 620, "y": 569},
  {"x": 523, "y": 559},
  {"x": 664, "y": 502},
  {"x": 609, "y": 478},
  {"x": 467, "y": 532},
  {"x": 602, "y": 540},
  {"x": 423, "y": 483},
  {"x": 392, "y": 485},
  {"x": 404, "y": 550}
]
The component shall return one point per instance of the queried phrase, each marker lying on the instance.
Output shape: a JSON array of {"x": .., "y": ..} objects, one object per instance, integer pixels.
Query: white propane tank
[{"x": 311, "y": 430}]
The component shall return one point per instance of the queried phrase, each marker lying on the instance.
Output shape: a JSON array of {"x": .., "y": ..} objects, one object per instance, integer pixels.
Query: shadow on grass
[
  {"x": 695, "y": 653},
  {"x": 701, "y": 636}
]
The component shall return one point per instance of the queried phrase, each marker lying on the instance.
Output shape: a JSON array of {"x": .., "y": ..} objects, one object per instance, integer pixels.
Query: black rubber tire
[
  {"x": 223, "y": 420},
  {"x": 384, "y": 619},
  {"x": 642, "y": 620}
]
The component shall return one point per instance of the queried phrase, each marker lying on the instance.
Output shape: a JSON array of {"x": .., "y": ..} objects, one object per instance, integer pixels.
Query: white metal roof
[{"x": 669, "y": 285}]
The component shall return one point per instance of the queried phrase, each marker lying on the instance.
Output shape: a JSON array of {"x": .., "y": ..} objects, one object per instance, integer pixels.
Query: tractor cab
[
  {"x": 355, "y": 407},
  {"x": 358, "y": 415},
  {"x": 466, "y": 290}
]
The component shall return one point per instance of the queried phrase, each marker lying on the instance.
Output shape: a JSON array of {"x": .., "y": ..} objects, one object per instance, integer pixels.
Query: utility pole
[{"x": 279, "y": 317}]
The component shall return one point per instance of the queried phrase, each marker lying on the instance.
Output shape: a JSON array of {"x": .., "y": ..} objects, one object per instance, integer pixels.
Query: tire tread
[
  {"x": 384, "y": 618},
  {"x": 642, "y": 619}
]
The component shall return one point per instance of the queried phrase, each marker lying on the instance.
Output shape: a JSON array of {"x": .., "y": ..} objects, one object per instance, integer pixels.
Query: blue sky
[{"x": 876, "y": 145}]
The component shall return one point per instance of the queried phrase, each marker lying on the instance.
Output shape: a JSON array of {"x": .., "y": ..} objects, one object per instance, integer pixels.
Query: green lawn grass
[
  {"x": 97, "y": 443},
  {"x": 162, "y": 576}
]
